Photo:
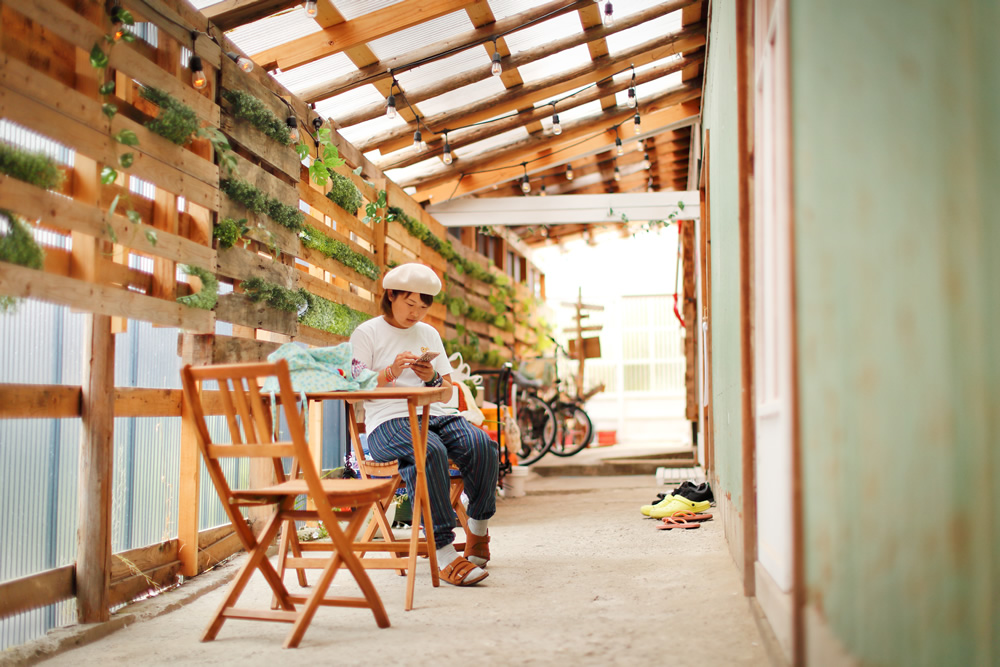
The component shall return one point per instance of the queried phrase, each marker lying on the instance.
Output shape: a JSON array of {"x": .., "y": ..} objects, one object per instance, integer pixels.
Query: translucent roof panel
[
  {"x": 431, "y": 74},
  {"x": 352, "y": 9},
  {"x": 543, "y": 33},
  {"x": 462, "y": 96},
  {"x": 627, "y": 39},
  {"x": 486, "y": 145},
  {"x": 504, "y": 8},
  {"x": 422, "y": 35},
  {"x": 582, "y": 111},
  {"x": 554, "y": 64},
  {"x": 652, "y": 88},
  {"x": 273, "y": 31},
  {"x": 311, "y": 74}
]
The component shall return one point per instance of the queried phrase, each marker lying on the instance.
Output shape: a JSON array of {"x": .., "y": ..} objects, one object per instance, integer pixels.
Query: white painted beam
[{"x": 566, "y": 209}]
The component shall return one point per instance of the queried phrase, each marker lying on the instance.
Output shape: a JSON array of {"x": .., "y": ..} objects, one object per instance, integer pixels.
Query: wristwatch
[{"x": 434, "y": 381}]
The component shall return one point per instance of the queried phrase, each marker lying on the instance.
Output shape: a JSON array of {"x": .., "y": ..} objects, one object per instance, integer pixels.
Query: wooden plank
[
  {"x": 318, "y": 337},
  {"x": 29, "y": 283},
  {"x": 126, "y": 564},
  {"x": 361, "y": 30},
  {"x": 39, "y": 401},
  {"x": 242, "y": 264},
  {"x": 320, "y": 287},
  {"x": 156, "y": 578},
  {"x": 229, "y": 14},
  {"x": 243, "y": 133},
  {"x": 96, "y": 472},
  {"x": 333, "y": 266},
  {"x": 344, "y": 221},
  {"x": 62, "y": 213},
  {"x": 188, "y": 489},
  {"x": 75, "y": 29},
  {"x": 239, "y": 309},
  {"x": 141, "y": 402},
  {"x": 215, "y": 553},
  {"x": 178, "y": 25},
  {"x": 94, "y": 143},
  {"x": 32, "y": 83},
  {"x": 232, "y": 350},
  {"x": 37, "y": 590}
]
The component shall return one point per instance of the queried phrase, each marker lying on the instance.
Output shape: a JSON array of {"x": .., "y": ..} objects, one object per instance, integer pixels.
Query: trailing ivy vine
[
  {"x": 248, "y": 195},
  {"x": 208, "y": 295},
  {"x": 251, "y": 109},
  {"x": 317, "y": 240}
]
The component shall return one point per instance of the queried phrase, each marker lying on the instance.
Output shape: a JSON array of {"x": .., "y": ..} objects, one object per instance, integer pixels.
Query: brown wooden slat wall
[{"x": 43, "y": 89}]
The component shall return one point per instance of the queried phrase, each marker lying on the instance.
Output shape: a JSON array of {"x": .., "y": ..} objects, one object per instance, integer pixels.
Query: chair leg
[
  {"x": 256, "y": 561},
  {"x": 457, "y": 488}
]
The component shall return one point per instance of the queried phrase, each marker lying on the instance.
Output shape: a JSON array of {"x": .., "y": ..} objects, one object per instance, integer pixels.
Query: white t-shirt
[{"x": 376, "y": 344}]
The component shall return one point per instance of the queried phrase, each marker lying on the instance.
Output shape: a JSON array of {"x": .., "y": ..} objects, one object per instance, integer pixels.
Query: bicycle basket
[{"x": 539, "y": 368}]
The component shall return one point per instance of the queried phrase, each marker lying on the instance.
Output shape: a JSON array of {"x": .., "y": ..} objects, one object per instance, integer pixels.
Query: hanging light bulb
[
  {"x": 116, "y": 19},
  {"x": 556, "y": 125},
  {"x": 496, "y": 68},
  {"x": 418, "y": 140},
  {"x": 618, "y": 145},
  {"x": 293, "y": 129},
  {"x": 525, "y": 185},
  {"x": 645, "y": 161},
  {"x": 569, "y": 172},
  {"x": 242, "y": 62},
  {"x": 390, "y": 107},
  {"x": 447, "y": 150},
  {"x": 317, "y": 123},
  {"x": 609, "y": 14},
  {"x": 618, "y": 174},
  {"x": 631, "y": 97},
  {"x": 198, "y": 78},
  {"x": 311, "y": 8},
  {"x": 542, "y": 192},
  {"x": 637, "y": 123}
]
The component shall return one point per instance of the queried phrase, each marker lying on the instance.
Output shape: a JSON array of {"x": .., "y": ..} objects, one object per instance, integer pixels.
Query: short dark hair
[{"x": 389, "y": 294}]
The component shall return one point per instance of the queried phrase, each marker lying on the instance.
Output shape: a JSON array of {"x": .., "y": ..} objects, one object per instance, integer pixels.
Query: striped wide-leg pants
[{"x": 449, "y": 437}]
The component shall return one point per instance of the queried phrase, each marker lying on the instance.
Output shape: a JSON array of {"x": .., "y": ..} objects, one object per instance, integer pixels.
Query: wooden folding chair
[
  {"x": 398, "y": 550},
  {"x": 248, "y": 416}
]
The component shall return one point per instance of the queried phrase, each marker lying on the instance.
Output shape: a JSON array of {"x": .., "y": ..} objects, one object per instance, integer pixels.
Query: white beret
[{"x": 413, "y": 278}]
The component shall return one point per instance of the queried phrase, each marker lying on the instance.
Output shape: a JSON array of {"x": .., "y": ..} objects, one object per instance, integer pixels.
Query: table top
[{"x": 415, "y": 395}]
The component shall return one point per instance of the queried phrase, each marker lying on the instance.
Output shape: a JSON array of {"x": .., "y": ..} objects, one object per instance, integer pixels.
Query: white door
[{"x": 772, "y": 199}]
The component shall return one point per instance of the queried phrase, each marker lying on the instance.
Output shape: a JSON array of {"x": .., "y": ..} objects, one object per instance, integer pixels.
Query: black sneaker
[
  {"x": 697, "y": 493},
  {"x": 684, "y": 485}
]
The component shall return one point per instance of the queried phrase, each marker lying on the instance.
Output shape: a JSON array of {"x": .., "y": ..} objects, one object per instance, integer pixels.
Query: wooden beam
[
  {"x": 96, "y": 474},
  {"x": 389, "y": 141},
  {"x": 230, "y": 14},
  {"x": 541, "y": 152},
  {"x": 37, "y": 590},
  {"x": 364, "y": 29},
  {"x": 380, "y": 70}
]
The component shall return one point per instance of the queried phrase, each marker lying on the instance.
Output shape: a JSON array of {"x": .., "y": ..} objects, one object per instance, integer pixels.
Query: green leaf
[
  {"x": 98, "y": 58},
  {"x": 323, "y": 135},
  {"x": 126, "y": 159},
  {"x": 128, "y": 37},
  {"x": 151, "y": 237},
  {"x": 109, "y": 110},
  {"x": 302, "y": 151},
  {"x": 319, "y": 172},
  {"x": 111, "y": 233},
  {"x": 381, "y": 199},
  {"x": 331, "y": 156},
  {"x": 125, "y": 16},
  {"x": 108, "y": 175},
  {"x": 114, "y": 205},
  {"x": 127, "y": 137},
  {"x": 133, "y": 216},
  {"x": 357, "y": 172},
  {"x": 107, "y": 88},
  {"x": 680, "y": 205}
]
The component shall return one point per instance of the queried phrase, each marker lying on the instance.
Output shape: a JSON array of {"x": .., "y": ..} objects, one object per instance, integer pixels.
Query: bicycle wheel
[
  {"x": 537, "y": 422},
  {"x": 575, "y": 430}
]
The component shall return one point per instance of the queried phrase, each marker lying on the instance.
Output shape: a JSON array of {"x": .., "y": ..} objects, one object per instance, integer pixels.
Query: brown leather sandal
[
  {"x": 478, "y": 547},
  {"x": 457, "y": 572}
]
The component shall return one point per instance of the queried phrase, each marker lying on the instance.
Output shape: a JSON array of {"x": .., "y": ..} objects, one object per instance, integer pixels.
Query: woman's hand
[
  {"x": 423, "y": 369},
  {"x": 401, "y": 363}
]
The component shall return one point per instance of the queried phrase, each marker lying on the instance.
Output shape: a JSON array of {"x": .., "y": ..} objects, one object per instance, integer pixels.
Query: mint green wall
[
  {"x": 719, "y": 120},
  {"x": 895, "y": 113}
]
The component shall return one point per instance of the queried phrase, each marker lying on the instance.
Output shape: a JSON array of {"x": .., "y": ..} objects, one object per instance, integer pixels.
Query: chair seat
[{"x": 343, "y": 491}]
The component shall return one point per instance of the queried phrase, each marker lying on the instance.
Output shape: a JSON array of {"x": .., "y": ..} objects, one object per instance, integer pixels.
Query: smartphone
[{"x": 426, "y": 356}]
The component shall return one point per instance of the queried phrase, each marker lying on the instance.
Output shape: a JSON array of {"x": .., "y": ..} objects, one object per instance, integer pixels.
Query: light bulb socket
[
  {"x": 525, "y": 185},
  {"x": 447, "y": 152},
  {"x": 195, "y": 65},
  {"x": 317, "y": 123},
  {"x": 418, "y": 140},
  {"x": 631, "y": 98},
  {"x": 496, "y": 68}
]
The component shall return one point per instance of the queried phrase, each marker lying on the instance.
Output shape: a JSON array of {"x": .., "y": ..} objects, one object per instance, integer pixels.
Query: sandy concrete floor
[{"x": 577, "y": 576}]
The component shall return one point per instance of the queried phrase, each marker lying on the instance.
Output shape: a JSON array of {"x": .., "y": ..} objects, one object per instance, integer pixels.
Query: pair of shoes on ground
[
  {"x": 684, "y": 519},
  {"x": 689, "y": 490},
  {"x": 461, "y": 571},
  {"x": 671, "y": 505}
]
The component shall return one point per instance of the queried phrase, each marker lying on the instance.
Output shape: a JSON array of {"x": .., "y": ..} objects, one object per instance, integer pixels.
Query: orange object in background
[{"x": 605, "y": 438}]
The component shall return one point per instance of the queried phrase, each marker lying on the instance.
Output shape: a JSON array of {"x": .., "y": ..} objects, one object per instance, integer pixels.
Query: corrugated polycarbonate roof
[{"x": 292, "y": 24}]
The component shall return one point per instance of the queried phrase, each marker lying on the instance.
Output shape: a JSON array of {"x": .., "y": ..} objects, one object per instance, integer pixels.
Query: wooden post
[
  {"x": 188, "y": 492},
  {"x": 93, "y": 557},
  {"x": 580, "y": 352},
  {"x": 690, "y": 319}
]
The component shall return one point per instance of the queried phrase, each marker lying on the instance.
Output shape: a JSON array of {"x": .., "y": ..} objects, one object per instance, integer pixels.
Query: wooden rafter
[
  {"x": 480, "y": 36},
  {"x": 230, "y": 14},
  {"x": 364, "y": 29}
]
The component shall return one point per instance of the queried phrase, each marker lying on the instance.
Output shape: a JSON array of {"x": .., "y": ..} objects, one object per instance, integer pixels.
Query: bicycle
[{"x": 536, "y": 420}]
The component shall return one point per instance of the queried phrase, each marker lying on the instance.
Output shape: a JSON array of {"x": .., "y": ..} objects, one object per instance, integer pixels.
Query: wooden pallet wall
[{"x": 48, "y": 86}]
